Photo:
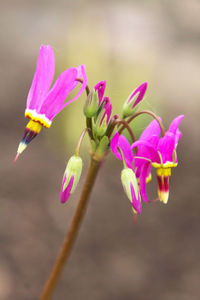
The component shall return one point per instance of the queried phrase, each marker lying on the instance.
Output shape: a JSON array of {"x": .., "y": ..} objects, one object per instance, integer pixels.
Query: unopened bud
[
  {"x": 71, "y": 177},
  {"x": 91, "y": 104},
  {"x": 131, "y": 189},
  {"x": 103, "y": 118},
  {"x": 133, "y": 100}
]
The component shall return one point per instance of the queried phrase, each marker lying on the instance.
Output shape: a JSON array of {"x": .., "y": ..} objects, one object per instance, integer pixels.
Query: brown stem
[
  {"x": 149, "y": 113},
  {"x": 126, "y": 126},
  {"x": 86, "y": 88},
  {"x": 69, "y": 240}
]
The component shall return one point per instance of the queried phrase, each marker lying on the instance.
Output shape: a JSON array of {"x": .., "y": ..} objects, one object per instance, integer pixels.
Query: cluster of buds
[{"x": 155, "y": 147}]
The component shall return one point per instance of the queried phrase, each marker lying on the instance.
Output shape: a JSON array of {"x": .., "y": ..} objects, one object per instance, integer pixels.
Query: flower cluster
[
  {"x": 155, "y": 147},
  {"x": 151, "y": 150}
]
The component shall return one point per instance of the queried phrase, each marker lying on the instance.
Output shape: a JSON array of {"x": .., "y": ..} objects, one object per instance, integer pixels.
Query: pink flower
[
  {"x": 161, "y": 153},
  {"x": 43, "y": 102}
]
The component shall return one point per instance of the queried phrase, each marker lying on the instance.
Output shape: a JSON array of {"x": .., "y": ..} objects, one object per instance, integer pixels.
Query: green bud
[
  {"x": 91, "y": 104},
  {"x": 73, "y": 169},
  {"x": 130, "y": 185}
]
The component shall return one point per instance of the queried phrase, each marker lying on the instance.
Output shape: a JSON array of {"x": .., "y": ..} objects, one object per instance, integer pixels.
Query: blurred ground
[{"x": 126, "y": 43}]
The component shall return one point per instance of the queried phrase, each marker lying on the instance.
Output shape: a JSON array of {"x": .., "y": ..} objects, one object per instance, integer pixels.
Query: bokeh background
[{"x": 125, "y": 43}]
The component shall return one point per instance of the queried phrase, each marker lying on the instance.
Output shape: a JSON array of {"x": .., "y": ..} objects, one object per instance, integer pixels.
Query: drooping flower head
[
  {"x": 167, "y": 158},
  {"x": 43, "y": 103},
  {"x": 161, "y": 153}
]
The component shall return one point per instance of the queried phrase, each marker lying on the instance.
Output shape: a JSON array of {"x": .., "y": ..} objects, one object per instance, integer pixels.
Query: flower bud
[
  {"x": 133, "y": 100},
  {"x": 100, "y": 88},
  {"x": 131, "y": 189},
  {"x": 103, "y": 118},
  {"x": 71, "y": 177},
  {"x": 91, "y": 104}
]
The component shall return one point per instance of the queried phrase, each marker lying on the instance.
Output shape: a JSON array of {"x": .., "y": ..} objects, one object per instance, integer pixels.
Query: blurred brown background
[{"x": 125, "y": 43}]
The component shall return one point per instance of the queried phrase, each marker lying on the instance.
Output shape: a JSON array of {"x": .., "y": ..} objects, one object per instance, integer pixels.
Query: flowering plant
[{"x": 155, "y": 147}]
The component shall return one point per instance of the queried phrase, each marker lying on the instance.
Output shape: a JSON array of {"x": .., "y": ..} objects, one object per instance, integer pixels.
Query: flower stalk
[{"x": 72, "y": 233}]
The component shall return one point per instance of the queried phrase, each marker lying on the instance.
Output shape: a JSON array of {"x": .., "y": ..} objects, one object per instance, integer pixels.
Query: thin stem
[
  {"x": 89, "y": 127},
  {"x": 126, "y": 126},
  {"x": 80, "y": 141},
  {"x": 73, "y": 231},
  {"x": 149, "y": 113},
  {"x": 86, "y": 88}
]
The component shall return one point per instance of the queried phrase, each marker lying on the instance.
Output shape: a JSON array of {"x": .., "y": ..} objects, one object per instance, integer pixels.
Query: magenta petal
[
  {"x": 146, "y": 150},
  {"x": 140, "y": 91},
  {"x": 152, "y": 129},
  {"x": 136, "y": 203},
  {"x": 121, "y": 142},
  {"x": 166, "y": 147},
  {"x": 64, "y": 195},
  {"x": 42, "y": 79},
  {"x": 59, "y": 92},
  {"x": 175, "y": 123},
  {"x": 177, "y": 136},
  {"x": 114, "y": 145},
  {"x": 100, "y": 88},
  {"x": 80, "y": 74},
  {"x": 144, "y": 173}
]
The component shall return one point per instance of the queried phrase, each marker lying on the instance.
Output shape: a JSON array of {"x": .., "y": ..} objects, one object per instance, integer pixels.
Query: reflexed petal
[
  {"x": 146, "y": 150},
  {"x": 136, "y": 203},
  {"x": 82, "y": 75},
  {"x": 166, "y": 147},
  {"x": 177, "y": 137},
  {"x": 121, "y": 141},
  {"x": 152, "y": 129},
  {"x": 42, "y": 78},
  {"x": 175, "y": 123},
  {"x": 59, "y": 92},
  {"x": 144, "y": 174}
]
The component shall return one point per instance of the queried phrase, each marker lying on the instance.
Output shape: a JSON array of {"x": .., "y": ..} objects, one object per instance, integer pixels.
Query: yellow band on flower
[
  {"x": 164, "y": 172},
  {"x": 34, "y": 126},
  {"x": 168, "y": 164},
  {"x": 40, "y": 118}
]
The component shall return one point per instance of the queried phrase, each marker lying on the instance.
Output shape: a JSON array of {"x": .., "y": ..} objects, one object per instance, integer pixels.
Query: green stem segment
[{"x": 70, "y": 238}]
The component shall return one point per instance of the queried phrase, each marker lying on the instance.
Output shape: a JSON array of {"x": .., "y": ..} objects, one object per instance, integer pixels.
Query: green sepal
[
  {"x": 91, "y": 104},
  {"x": 102, "y": 148}
]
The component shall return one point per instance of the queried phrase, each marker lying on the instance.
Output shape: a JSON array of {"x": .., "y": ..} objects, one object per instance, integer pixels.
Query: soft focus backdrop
[{"x": 125, "y": 43}]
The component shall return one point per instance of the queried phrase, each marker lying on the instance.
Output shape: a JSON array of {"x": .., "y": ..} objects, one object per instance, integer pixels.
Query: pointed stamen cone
[
  {"x": 16, "y": 157},
  {"x": 32, "y": 129},
  {"x": 163, "y": 175}
]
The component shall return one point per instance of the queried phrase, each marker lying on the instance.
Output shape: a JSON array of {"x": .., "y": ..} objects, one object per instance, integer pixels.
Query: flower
[
  {"x": 71, "y": 177},
  {"x": 43, "y": 103},
  {"x": 161, "y": 153},
  {"x": 135, "y": 97}
]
